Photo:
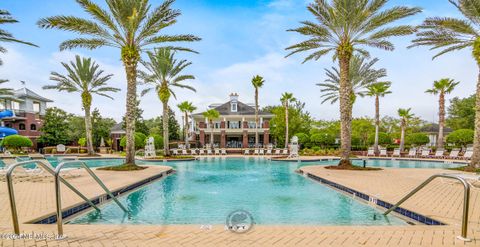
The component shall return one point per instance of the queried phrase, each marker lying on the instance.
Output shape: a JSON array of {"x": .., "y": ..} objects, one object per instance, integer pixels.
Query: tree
[
  {"x": 257, "y": 82},
  {"x": 165, "y": 74},
  {"x": 442, "y": 87},
  {"x": 140, "y": 125},
  {"x": 377, "y": 90},
  {"x": 101, "y": 127},
  {"x": 461, "y": 137},
  {"x": 453, "y": 34},
  {"x": 361, "y": 75},
  {"x": 346, "y": 27},
  {"x": 187, "y": 108},
  {"x": 84, "y": 77},
  {"x": 157, "y": 141},
  {"x": 362, "y": 129},
  {"x": 303, "y": 139},
  {"x": 461, "y": 113},
  {"x": 139, "y": 140},
  {"x": 322, "y": 139},
  {"x": 405, "y": 116},
  {"x": 417, "y": 139},
  {"x": 129, "y": 26},
  {"x": 173, "y": 126},
  {"x": 211, "y": 115},
  {"x": 383, "y": 139},
  {"x": 16, "y": 142},
  {"x": 286, "y": 99},
  {"x": 55, "y": 127}
]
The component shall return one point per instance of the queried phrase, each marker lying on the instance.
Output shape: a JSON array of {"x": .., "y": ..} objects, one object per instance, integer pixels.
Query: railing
[
  {"x": 11, "y": 193},
  {"x": 58, "y": 196},
  {"x": 466, "y": 200}
]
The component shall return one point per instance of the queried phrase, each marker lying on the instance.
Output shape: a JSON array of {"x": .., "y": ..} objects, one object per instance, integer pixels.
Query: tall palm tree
[
  {"x": 187, "y": 108},
  {"x": 377, "y": 90},
  {"x": 257, "y": 82},
  {"x": 286, "y": 99},
  {"x": 405, "y": 116},
  {"x": 83, "y": 76},
  {"x": 132, "y": 26},
  {"x": 164, "y": 74},
  {"x": 442, "y": 87},
  {"x": 453, "y": 34},
  {"x": 211, "y": 115},
  {"x": 361, "y": 75},
  {"x": 346, "y": 27}
]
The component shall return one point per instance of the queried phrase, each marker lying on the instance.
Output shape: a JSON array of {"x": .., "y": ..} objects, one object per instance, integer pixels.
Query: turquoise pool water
[
  {"x": 206, "y": 191},
  {"x": 391, "y": 163},
  {"x": 55, "y": 160}
]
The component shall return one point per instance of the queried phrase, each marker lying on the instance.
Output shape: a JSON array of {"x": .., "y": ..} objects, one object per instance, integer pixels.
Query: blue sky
[{"x": 241, "y": 38}]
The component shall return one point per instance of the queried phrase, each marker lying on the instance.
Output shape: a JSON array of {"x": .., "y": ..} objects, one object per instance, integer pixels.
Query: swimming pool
[{"x": 206, "y": 191}]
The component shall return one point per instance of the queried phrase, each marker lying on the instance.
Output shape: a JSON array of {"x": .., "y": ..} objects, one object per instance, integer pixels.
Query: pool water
[
  {"x": 206, "y": 191},
  {"x": 55, "y": 160},
  {"x": 392, "y": 163}
]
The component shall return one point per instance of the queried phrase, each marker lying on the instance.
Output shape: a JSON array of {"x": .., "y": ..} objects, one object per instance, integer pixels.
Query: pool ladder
[
  {"x": 58, "y": 198},
  {"x": 466, "y": 199}
]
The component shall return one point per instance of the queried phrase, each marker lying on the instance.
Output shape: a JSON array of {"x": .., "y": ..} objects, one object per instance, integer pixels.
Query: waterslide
[{"x": 4, "y": 131}]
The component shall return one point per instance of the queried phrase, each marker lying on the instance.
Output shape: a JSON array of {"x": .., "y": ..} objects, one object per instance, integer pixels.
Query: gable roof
[
  {"x": 27, "y": 93},
  {"x": 242, "y": 109}
]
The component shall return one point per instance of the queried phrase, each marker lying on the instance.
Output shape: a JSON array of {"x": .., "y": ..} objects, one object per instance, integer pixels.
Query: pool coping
[
  {"x": 374, "y": 158},
  {"x": 370, "y": 199},
  {"x": 83, "y": 207}
]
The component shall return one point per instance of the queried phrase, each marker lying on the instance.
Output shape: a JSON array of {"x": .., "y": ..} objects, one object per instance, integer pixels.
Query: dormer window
[
  {"x": 234, "y": 107},
  {"x": 234, "y": 102}
]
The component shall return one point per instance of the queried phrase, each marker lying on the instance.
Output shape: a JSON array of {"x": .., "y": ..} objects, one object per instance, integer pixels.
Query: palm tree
[
  {"x": 286, "y": 99},
  {"x": 164, "y": 75},
  {"x": 405, "y": 116},
  {"x": 211, "y": 115},
  {"x": 186, "y": 107},
  {"x": 453, "y": 34},
  {"x": 361, "y": 75},
  {"x": 346, "y": 27},
  {"x": 377, "y": 90},
  {"x": 257, "y": 82},
  {"x": 442, "y": 87},
  {"x": 132, "y": 27},
  {"x": 83, "y": 76}
]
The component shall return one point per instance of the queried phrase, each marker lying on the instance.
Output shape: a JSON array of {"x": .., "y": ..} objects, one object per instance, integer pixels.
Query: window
[
  {"x": 234, "y": 107},
  {"x": 36, "y": 107},
  {"x": 21, "y": 126},
  {"x": 33, "y": 127},
  {"x": 15, "y": 105},
  {"x": 233, "y": 125},
  {"x": 8, "y": 125},
  {"x": 2, "y": 105}
]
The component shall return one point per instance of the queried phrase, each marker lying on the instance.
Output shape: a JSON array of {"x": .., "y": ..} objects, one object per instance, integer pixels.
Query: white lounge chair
[
  {"x": 269, "y": 151},
  {"x": 425, "y": 153},
  {"x": 285, "y": 152},
  {"x": 439, "y": 153},
  {"x": 246, "y": 152},
  {"x": 468, "y": 154},
  {"x": 224, "y": 151},
  {"x": 453, "y": 154},
  {"x": 371, "y": 152},
  {"x": 261, "y": 151},
  {"x": 255, "y": 152},
  {"x": 217, "y": 151},
  {"x": 209, "y": 151},
  {"x": 184, "y": 152},
  {"x": 383, "y": 152},
  {"x": 396, "y": 153},
  {"x": 193, "y": 151},
  {"x": 277, "y": 151},
  {"x": 412, "y": 153},
  {"x": 174, "y": 152},
  {"x": 201, "y": 151}
]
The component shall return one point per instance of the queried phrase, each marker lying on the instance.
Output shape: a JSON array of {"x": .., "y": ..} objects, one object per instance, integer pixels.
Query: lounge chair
[
  {"x": 217, "y": 151},
  {"x": 255, "y": 152},
  {"x": 209, "y": 151},
  {"x": 201, "y": 151},
  {"x": 453, "y": 154},
  {"x": 261, "y": 151},
  {"x": 224, "y": 151},
  {"x": 175, "y": 152},
  {"x": 184, "y": 152},
  {"x": 383, "y": 152},
  {"x": 425, "y": 153},
  {"x": 396, "y": 153},
  {"x": 371, "y": 152},
  {"x": 440, "y": 153},
  {"x": 269, "y": 151},
  {"x": 193, "y": 151},
  {"x": 246, "y": 152},
  {"x": 277, "y": 151},
  {"x": 285, "y": 151},
  {"x": 468, "y": 154},
  {"x": 412, "y": 153}
]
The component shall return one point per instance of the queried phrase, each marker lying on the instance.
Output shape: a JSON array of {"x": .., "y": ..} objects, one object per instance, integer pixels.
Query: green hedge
[
  {"x": 139, "y": 140},
  {"x": 16, "y": 142}
]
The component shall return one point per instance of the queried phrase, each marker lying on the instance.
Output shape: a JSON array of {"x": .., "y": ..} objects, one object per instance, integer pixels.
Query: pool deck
[{"x": 440, "y": 200}]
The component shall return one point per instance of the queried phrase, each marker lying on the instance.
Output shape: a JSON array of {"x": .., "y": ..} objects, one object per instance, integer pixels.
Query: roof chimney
[{"x": 233, "y": 97}]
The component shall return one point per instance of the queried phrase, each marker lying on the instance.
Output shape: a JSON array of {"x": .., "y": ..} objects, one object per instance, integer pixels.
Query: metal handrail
[
  {"x": 466, "y": 199},
  {"x": 11, "y": 194},
  {"x": 58, "y": 194}
]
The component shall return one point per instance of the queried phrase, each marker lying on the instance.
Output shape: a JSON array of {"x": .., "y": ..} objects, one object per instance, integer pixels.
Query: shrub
[
  {"x": 461, "y": 137},
  {"x": 383, "y": 139},
  {"x": 139, "y": 140},
  {"x": 82, "y": 141},
  {"x": 157, "y": 141},
  {"x": 322, "y": 139},
  {"x": 417, "y": 139},
  {"x": 16, "y": 142},
  {"x": 303, "y": 138}
]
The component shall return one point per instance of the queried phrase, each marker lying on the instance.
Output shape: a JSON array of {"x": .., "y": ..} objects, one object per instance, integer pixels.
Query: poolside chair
[
  {"x": 383, "y": 152},
  {"x": 425, "y": 153},
  {"x": 468, "y": 154},
  {"x": 174, "y": 152},
  {"x": 193, "y": 151},
  {"x": 277, "y": 151},
  {"x": 261, "y": 151},
  {"x": 412, "y": 153},
  {"x": 246, "y": 152},
  {"x": 201, "y": 151},
  {"x": 209, "y": 151},
  {"x": 269, "y": 151},
  {"x": 396, "y": 152},
  {"x": 255, "y": 152},
  {"x": 285, "y": 151},
  {"x": 184, "y": 152},
  {"x": 453, "y": 154},
  {"x": 440, "y": 153},
  {"x": 224, "y": 151},
  {"x": 217, "y": 151},
  {"x": 371, "y": 151}
]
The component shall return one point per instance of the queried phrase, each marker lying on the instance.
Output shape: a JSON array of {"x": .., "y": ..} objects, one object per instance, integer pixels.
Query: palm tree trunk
[
  {"x": 475, "y": 162},
  {"x": 377, "y": 123},
  {"x": 345, "y": 111},
  {"x": 211, "y": 134},
  {"x": 166, "y": 149},
  {"x": 256, "y": 117},
  {"x": 131, "y": 70},
  {"x": 185, "y": 130},
  {"x": 88, "y": 130},
  {"x": 402, "y": 138},
  {"x": 286, "y": 124},
  {"x": 441, "y": 120}
]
